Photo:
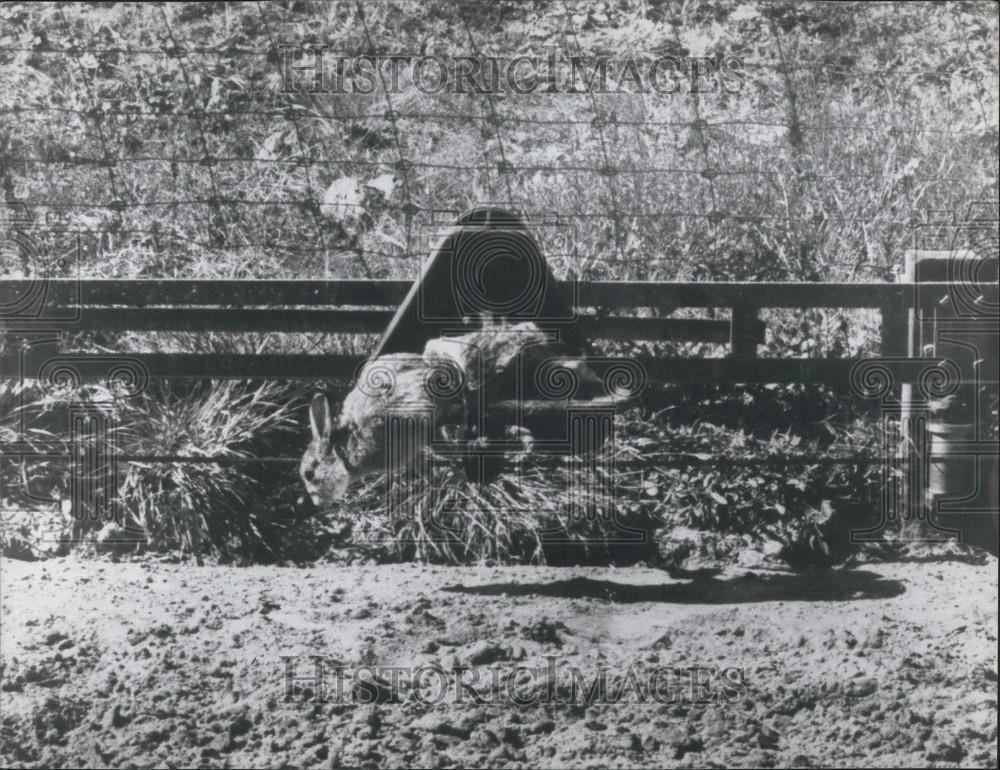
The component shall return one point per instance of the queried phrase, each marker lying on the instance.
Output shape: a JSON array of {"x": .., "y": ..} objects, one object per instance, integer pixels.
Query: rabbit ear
[{"x": 319, "y": 417}]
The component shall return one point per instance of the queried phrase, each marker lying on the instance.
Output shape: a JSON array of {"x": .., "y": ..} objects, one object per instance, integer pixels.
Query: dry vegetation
[{"x": 162, "y": 134}]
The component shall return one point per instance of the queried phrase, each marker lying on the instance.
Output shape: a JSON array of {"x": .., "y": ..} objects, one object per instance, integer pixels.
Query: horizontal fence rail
[
  {"x": 35, "y": 306},
  {"x": 235, "y": 366},
  {"x": 389, "y": 293}
]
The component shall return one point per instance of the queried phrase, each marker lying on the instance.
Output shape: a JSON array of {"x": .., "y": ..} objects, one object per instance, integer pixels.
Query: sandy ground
[{"x": 145, "y": 664}]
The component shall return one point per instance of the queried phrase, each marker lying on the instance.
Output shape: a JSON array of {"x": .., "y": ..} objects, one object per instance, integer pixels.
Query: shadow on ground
[{"x": 817, "y": 586}]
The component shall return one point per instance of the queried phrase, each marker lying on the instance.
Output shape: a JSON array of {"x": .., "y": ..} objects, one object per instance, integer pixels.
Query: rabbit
[
  {"x": 495, "y": 386},
  {"x": 354, "y": 445}
]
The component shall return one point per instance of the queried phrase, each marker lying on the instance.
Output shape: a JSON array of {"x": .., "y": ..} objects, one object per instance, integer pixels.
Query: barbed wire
[
  {"x": 214, "y": 230},
  {"x": 608, "y": 118},
  {"x": 292, "y": 204},
  {"x": 90, "y": 96},
  {"x": 403, "y": 165},
  {"x": 598, "y": 123},
  {"x": 299, "y": 138},
  {"x": 723, "y": 216},
  {"x": 575, "y": 168},
  {"x": 636, "y": 54},
  {"x": 698, "y": 132},
  {"x": 493, "y": 118}
]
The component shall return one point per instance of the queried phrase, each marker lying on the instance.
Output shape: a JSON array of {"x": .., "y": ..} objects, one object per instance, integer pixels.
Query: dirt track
[{"x": 150, "y": 664}]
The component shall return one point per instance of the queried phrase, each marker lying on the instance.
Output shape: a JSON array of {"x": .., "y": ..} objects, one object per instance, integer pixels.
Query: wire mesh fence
[{"x": 195, "y": 140}]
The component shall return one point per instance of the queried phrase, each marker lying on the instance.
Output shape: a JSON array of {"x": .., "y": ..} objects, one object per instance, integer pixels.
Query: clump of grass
[
  {"x": 202, "y": 507},
  {"x": 215, "y": 509},
  {"x": 764, "y": 490},
  {"x": 533, "y": 511}
]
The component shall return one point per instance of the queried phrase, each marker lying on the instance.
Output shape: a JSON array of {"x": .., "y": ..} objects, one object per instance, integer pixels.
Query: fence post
[
  {"x": 743, "y": 332},
  {"x": 948, "y": 417}
]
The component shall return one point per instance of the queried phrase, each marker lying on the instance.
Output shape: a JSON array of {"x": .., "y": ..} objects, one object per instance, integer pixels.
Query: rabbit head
[{"x": 326, "y": 470}]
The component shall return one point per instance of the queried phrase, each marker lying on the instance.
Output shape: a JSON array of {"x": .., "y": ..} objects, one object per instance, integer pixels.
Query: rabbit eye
[{"x": 309, "y": 474}]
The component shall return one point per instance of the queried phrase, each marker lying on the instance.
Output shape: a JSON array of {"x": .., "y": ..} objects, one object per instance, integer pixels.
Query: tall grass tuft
[
  {"x": 205, "y": 509},
  {"x": 665, "y": 472},
  {"x": 532, "y": 512},
  {"x": 209, "y": 508}
]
